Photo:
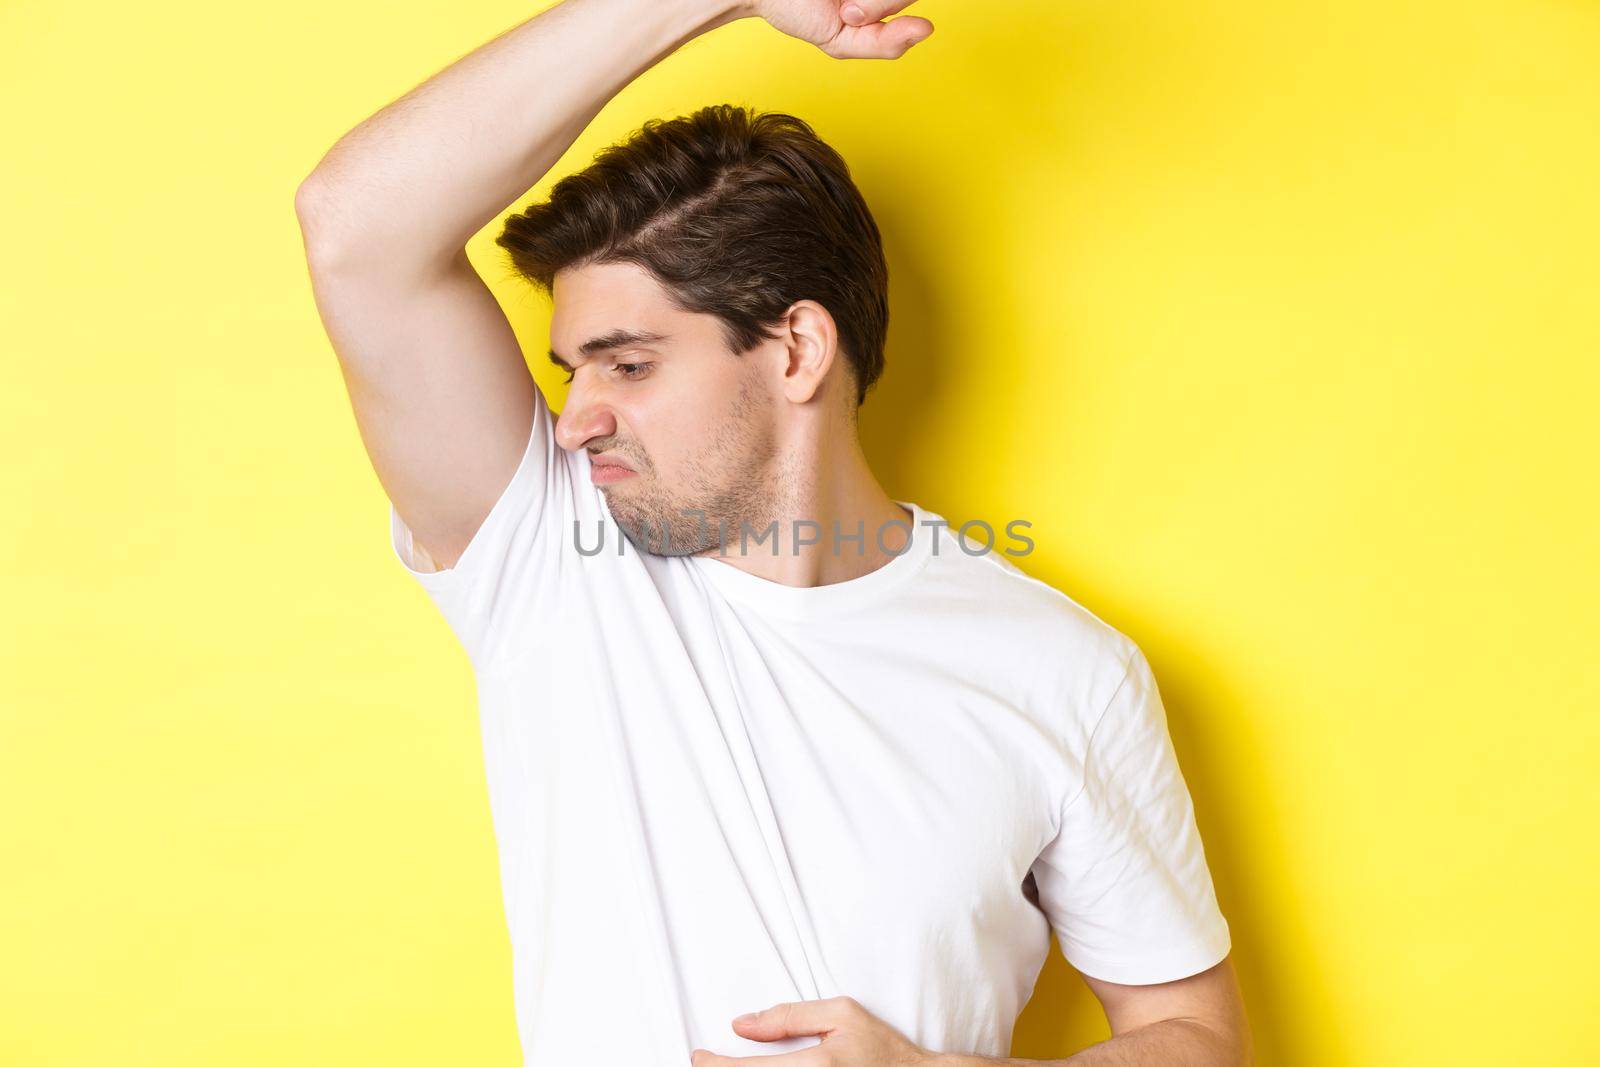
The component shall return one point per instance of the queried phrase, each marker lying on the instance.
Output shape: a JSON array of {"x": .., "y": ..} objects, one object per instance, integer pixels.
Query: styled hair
[{"x": 737, "y": 214}]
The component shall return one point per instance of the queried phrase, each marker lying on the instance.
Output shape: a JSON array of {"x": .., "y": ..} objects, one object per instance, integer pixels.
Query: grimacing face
[{"x": 689, "y": 424}]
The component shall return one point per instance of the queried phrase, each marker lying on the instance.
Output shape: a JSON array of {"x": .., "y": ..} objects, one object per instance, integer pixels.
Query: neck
[{"x": 818, "y": 489}]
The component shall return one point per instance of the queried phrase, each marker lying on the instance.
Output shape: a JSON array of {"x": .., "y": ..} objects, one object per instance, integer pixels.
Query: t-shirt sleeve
[
  {"x": 1125, "y": 883},
  {"x": 494, "y": 585}
]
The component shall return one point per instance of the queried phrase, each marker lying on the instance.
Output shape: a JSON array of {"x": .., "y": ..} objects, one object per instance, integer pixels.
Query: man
[{"x": 790, "y": 746}]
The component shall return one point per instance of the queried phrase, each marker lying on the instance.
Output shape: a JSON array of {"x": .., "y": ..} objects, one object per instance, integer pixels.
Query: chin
[{"x": 642, "y": 522}]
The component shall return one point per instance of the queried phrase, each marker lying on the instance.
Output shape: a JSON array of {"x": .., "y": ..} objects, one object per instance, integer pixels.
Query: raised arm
[{"x": 442, "y": 396}]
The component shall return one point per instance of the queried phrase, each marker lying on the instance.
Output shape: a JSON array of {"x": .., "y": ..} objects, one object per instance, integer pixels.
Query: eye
[{"x": 631, "y": 371}]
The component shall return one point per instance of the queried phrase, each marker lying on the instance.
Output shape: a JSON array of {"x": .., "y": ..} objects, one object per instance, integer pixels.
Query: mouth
[
  {"x": 608, "y": 473},
  {"x": 604, "y": 471}
]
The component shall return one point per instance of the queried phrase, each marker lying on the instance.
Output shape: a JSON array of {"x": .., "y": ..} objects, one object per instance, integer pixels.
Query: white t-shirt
[{"x": 713, "y": 793}]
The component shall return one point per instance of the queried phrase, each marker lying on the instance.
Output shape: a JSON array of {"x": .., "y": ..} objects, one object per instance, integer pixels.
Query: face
[{"x": 688, "y": 424}]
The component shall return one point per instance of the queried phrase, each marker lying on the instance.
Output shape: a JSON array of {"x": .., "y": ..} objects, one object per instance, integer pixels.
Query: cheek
[
  {"x": 697, "y": 426},
  {"x": 661, "y": 429},
  {"x": 675, "y": 421}
]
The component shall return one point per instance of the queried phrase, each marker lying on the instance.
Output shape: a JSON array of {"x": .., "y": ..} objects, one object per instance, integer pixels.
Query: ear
[{"x": 812, "y": 341}]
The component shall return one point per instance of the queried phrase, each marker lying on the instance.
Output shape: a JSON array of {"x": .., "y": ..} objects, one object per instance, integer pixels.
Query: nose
[{"x": 584, "y": 417}]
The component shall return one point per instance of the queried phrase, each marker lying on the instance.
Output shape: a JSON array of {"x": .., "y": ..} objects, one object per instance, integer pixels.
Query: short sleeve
[
  {"x": 1125, "y": 883},
  {"x": 485, "y": 594}
]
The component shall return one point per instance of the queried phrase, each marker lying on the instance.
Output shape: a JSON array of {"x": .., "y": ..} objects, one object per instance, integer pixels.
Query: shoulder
[{"x": 1071, "y": 657}]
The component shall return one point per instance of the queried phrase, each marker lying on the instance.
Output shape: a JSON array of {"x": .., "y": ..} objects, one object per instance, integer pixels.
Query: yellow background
[{"x": 1279, "y": 324}]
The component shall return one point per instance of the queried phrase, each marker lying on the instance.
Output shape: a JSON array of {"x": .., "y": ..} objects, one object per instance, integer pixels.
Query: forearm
[
  {"x": 1170, "y": 1043},
  {"x": 416, "y": 180}
]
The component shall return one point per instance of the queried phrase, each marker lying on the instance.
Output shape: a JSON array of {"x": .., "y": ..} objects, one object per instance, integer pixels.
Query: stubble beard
[{"x": 733, "y": 483}]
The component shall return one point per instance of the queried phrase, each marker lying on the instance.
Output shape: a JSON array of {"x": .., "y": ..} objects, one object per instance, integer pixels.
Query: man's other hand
[{"x": 853, "y": 1036}]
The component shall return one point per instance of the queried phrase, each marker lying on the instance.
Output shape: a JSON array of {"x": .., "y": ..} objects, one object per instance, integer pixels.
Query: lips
[{"x": 604, "y": 469}]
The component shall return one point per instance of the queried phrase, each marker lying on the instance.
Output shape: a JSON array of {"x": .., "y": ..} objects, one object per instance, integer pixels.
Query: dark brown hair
[{"x": 738, "y": 214}]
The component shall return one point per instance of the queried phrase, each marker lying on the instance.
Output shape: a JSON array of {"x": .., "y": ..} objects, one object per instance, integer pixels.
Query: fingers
[
  {"x": 796, "y": 1019},
  {"x": 880, "y": 40},
  {"x": 861, "y": 12}
]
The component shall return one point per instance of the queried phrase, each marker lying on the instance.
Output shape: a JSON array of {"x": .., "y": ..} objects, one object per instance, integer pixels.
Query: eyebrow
[{"x": 615, "y": 339}]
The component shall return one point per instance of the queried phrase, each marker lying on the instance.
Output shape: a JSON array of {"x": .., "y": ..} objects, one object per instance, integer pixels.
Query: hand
[
  {"x": 846, "y": 29},
  {"x": 851, "y": 1037}
]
